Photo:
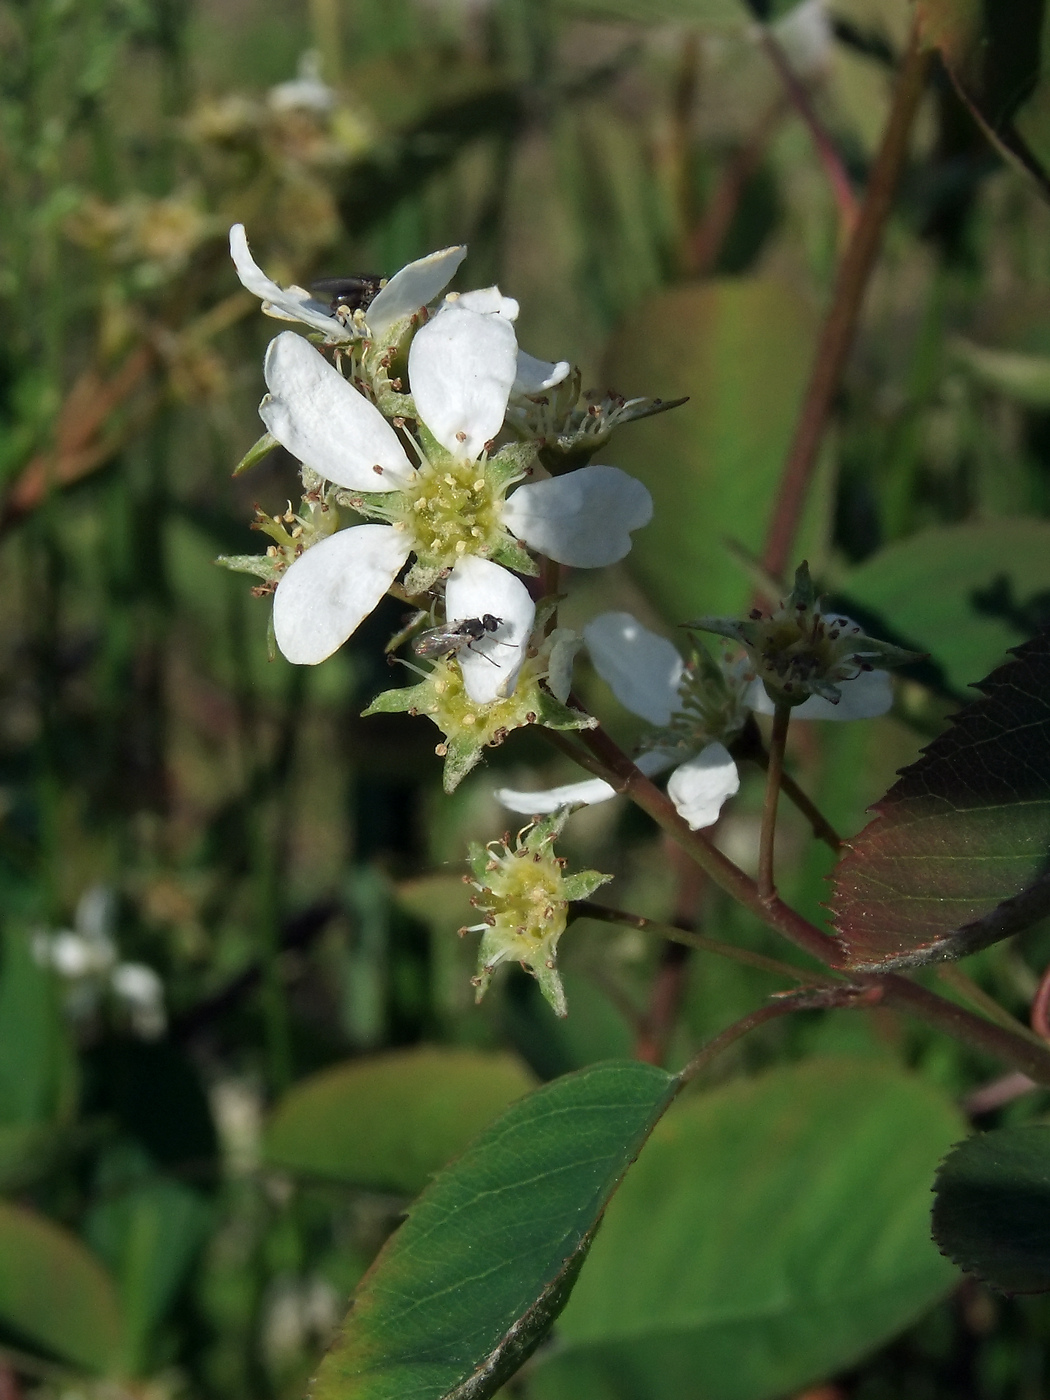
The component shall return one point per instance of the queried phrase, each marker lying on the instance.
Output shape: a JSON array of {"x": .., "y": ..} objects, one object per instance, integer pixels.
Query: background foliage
[{"x": 185, "y": 1212}]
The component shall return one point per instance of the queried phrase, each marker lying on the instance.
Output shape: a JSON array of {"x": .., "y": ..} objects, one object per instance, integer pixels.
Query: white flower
[
  {"x": 647, "y": 675},
  {"x": 405, "y": 294},
  {"x": 142, "y": 992},
  {"x": 449, "y": 512},
  {"x": 87, "y": 958},
  {"x": 307, "y": 91}
]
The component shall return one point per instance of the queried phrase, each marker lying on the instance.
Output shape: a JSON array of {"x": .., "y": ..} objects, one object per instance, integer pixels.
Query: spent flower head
[
  {"x": 799, "y": 651},
  {"x": 523, "y": 895}
]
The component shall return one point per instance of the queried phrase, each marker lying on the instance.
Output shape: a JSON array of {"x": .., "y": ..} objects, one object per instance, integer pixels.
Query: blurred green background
[{"x": 199, "y": 1156}]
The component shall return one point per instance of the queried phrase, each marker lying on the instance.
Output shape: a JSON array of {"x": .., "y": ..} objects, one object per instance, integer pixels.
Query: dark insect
[
  {"x": 354, "y": 293},
  {"x": 455, "y": 637}
]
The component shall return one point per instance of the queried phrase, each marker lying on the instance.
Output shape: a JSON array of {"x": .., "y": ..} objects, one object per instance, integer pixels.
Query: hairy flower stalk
[{"x": 523, "y": 895}]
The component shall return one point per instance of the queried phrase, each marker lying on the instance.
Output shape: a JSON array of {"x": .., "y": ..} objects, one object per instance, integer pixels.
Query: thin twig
[
  {"x": 840, "y": 325},
  {"x": 750, "y": 747},
  {"x": 587, "y": 909},
  {"x": 774, "y": 773},
  {"x": 827, "y": 152},
  {"x": 786, "y": 1004}
]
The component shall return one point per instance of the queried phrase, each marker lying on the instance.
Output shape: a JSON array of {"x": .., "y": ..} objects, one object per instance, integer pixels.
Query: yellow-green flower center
[{"x": 452, "y": 510}]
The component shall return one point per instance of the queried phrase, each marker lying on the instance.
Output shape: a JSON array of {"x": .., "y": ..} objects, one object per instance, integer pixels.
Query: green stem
[{"x": 774, "y": 774}]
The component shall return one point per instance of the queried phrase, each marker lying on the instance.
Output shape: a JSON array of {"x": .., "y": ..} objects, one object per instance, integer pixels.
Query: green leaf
[
  {"x": 1019, "y": 376},
  {"x": 55, "y": 1292},
  {"x": 963, "y": 593},
  {"x": 772, "y": 1232},
  {"x": 991, "y": 1210},
  {"x": 957, "y": 856},
  {"x": 392, "y": 1121},
  {"x": 37, "y": 1068},
  {"x": 469, "y": 1285},
  {"x": 149, "y": 1236},
  {"x": 741, "y": 349},
  {"x": 999, "y": 58}
]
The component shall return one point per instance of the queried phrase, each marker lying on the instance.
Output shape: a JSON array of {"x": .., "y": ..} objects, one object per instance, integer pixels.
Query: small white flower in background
[
  {"x": 451, "y": 511},
  {"x": 648, "y": 676},
  {"x": 403, "y": 295},
  {"x": 806, "y": 37},
  {"x": 142, "y": 992},
  {"x": 307, "y": 91},
  {"x": 87, "y": 958}
]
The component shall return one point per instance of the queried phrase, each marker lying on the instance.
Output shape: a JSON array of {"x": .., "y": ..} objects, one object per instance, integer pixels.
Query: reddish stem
[
  {"x": 1041, "y": 1008},
  {"x": 840, "y": 325},
  {"x": 827, "y": 152}
]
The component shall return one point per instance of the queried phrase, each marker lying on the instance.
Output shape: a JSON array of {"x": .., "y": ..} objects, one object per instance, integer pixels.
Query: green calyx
[
  {"x": 291, "y": 534},
  {"x": 469, "y": 728},
  {"x": 568, "y": 428},
  {"x": 523, "y": 896},
  {"x": 798, "y": 650}
]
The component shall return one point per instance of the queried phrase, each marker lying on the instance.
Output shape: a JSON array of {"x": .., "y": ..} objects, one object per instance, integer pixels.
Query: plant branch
[
  {"x": 952, "y": 974},
  {"x": 840, "y": 324},
  {"x": 774, "y": 774},
  {"x": 974, "y": 1031},
  {"x": 785, "y": 1004},
  {"x": 608, "y": 761},
  {"x": 587, "y": 909}
]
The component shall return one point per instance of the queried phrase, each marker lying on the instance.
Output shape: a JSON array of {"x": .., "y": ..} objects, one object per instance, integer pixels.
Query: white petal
[
  {"x": 332, "y": 588},
  {"x": 865, "y": 697},
  {"x": 583, "y": 518},
  {"x": 588, "y": 793},
  {"x": 490, "y": 301},
  {"x": 642, "y": 670},
  {"x": 413, "y": 287},
  {"x": 700, "y": 786},
  {"x": 286, "y": 304},
  {"x": 531, "y": 804},
  {"x": 534, "y": 376},
  {"x": 490, "y": 666},
  {"x": 461, "y": 367},
  {"x": 321, "y": 419}
]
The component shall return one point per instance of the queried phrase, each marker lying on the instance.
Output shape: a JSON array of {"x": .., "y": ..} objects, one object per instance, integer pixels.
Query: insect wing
[{"x": 439, "y": 641}]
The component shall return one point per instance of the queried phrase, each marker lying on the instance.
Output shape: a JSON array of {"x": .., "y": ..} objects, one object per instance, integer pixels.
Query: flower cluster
[
  {"x": 87, "y": 959},
  {"x": 445, "y": 466}
]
